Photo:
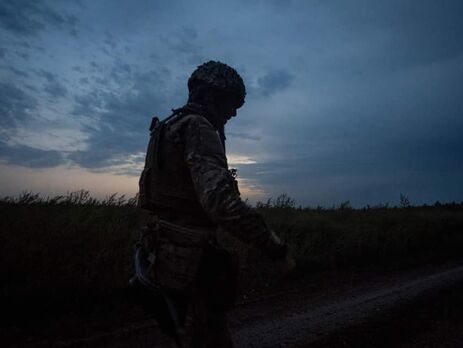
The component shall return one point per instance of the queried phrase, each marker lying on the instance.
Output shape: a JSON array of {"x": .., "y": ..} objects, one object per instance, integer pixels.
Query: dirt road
[
  {"x": 307, "y": 314},
  {"x": 299, "y": 319}
]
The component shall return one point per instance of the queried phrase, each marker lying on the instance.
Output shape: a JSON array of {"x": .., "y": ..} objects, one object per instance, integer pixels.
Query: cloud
[
  {"x": 240, "y": 160},
  {"x": 185, "y": 44},
  {"x": 122, "y": 119},
  {"x": 121, "y": 72},
  {"x": 373, "y": 86},
  {"x": 364, "y": 167},
  {"x": 426, "y": 32},
  {"x": 29, "y": 17},
  {"x": 274, "y": 81},
  {"x": 88, "y": 104},
  {"x": 108, "y": 147},
  {"x": 78, "y": 68},
  {"x": 243, "y": 135},
  {"x": 30, "y": 157},
  {"x": 23, "y": 55},
  {"x": 109, "y": 40},
  {"x": 377, "y": 36},
  {"x": 55, "y": 89},
  {"x": 182, "y": 41},
  {"x": 53, "y": 86},
  {"x": 15, "y": 105},
  {"x": 18, "y": 72}
]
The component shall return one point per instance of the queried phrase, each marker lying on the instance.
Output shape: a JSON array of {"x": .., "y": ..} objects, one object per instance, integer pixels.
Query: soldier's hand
[
  {"x": 278, "y": 268},
  {"x": 279, "y": 261}
]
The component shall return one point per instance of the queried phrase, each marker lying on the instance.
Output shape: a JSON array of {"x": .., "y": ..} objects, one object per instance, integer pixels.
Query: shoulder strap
[{"x": 157, "y": 132}]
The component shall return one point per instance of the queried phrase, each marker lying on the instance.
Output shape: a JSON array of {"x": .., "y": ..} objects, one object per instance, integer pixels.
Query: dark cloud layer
[
  {"x": 30, "y": 157},
  {"x": 275, "y": 81},
  {"x": 184, "y": 43},
  {"x": 393, "y": 34},
  {"x": 123, "y": 118},
  {"x": 18, "y": 72},
  {"x": 53, "y": 86},
  {"x": 15, "y": 105},
  {"x": 424, "y": 32},
  {"x": 29, "y": 17}
]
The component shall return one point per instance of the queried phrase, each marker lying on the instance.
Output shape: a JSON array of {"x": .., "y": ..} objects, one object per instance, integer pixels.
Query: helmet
[{"x": 221, "y": 77}]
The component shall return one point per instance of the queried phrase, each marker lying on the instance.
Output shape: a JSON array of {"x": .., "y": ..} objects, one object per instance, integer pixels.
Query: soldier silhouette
[{"x": 190, "y": 193}]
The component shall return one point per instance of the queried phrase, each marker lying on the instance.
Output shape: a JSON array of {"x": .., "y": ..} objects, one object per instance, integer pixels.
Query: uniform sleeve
[{"x": 216, "y": 188}]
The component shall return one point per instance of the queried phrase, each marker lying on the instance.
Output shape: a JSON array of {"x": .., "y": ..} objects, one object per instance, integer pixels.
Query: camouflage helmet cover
[{"x": 221, "y": 77}]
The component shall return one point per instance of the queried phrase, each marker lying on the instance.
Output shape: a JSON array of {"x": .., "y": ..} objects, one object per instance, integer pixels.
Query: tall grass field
[{"x": 73, "y": 253}]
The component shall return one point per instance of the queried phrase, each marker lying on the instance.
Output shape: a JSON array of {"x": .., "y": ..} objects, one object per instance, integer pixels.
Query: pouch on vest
[{"x": 179, "y": 252}]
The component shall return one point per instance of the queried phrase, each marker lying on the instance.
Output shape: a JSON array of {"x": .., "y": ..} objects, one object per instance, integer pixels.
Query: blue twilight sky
[{"x": 347, "y": 100}]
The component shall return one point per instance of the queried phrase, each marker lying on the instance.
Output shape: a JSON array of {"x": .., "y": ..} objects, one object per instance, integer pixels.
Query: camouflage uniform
[
  {"x": 187, "y": 183},
  {"x": 196, "y": 185}
]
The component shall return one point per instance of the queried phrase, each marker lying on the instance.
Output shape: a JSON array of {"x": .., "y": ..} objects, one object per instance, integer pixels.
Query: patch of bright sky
[
  {"x": 237, "y": 159},
  {"x": 62, "y": 179}
]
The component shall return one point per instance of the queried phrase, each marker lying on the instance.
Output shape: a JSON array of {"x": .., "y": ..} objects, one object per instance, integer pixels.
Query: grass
[
  {"x": 68, "y": 253},
  {"x": 63, "y": 254},
  {"x": 340, "y": 239}
]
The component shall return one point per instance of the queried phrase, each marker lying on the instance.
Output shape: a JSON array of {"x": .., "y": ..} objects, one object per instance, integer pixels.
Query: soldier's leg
[
  {"x": 217, "y": 333},
  {"x": 170, "y": 313},
  {"x": 193, "y": 324},
  {"x": 204, "y": 326}
]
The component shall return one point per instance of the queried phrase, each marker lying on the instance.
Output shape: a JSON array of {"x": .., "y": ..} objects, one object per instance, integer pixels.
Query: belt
[{"x": 181, "y": 235}]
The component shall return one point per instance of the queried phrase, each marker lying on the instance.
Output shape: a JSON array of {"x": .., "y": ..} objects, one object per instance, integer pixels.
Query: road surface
[{"x": 304, "y": 315}]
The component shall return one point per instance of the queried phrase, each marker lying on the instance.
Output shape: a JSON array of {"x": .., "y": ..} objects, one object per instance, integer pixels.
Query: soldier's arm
[{"x": 217, "y": 192}]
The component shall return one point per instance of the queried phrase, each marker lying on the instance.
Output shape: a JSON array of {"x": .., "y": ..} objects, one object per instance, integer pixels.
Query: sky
[{"x": 354, "y": 101}]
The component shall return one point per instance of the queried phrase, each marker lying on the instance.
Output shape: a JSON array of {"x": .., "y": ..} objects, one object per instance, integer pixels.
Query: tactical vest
[{"x": 165, "y": 183}]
